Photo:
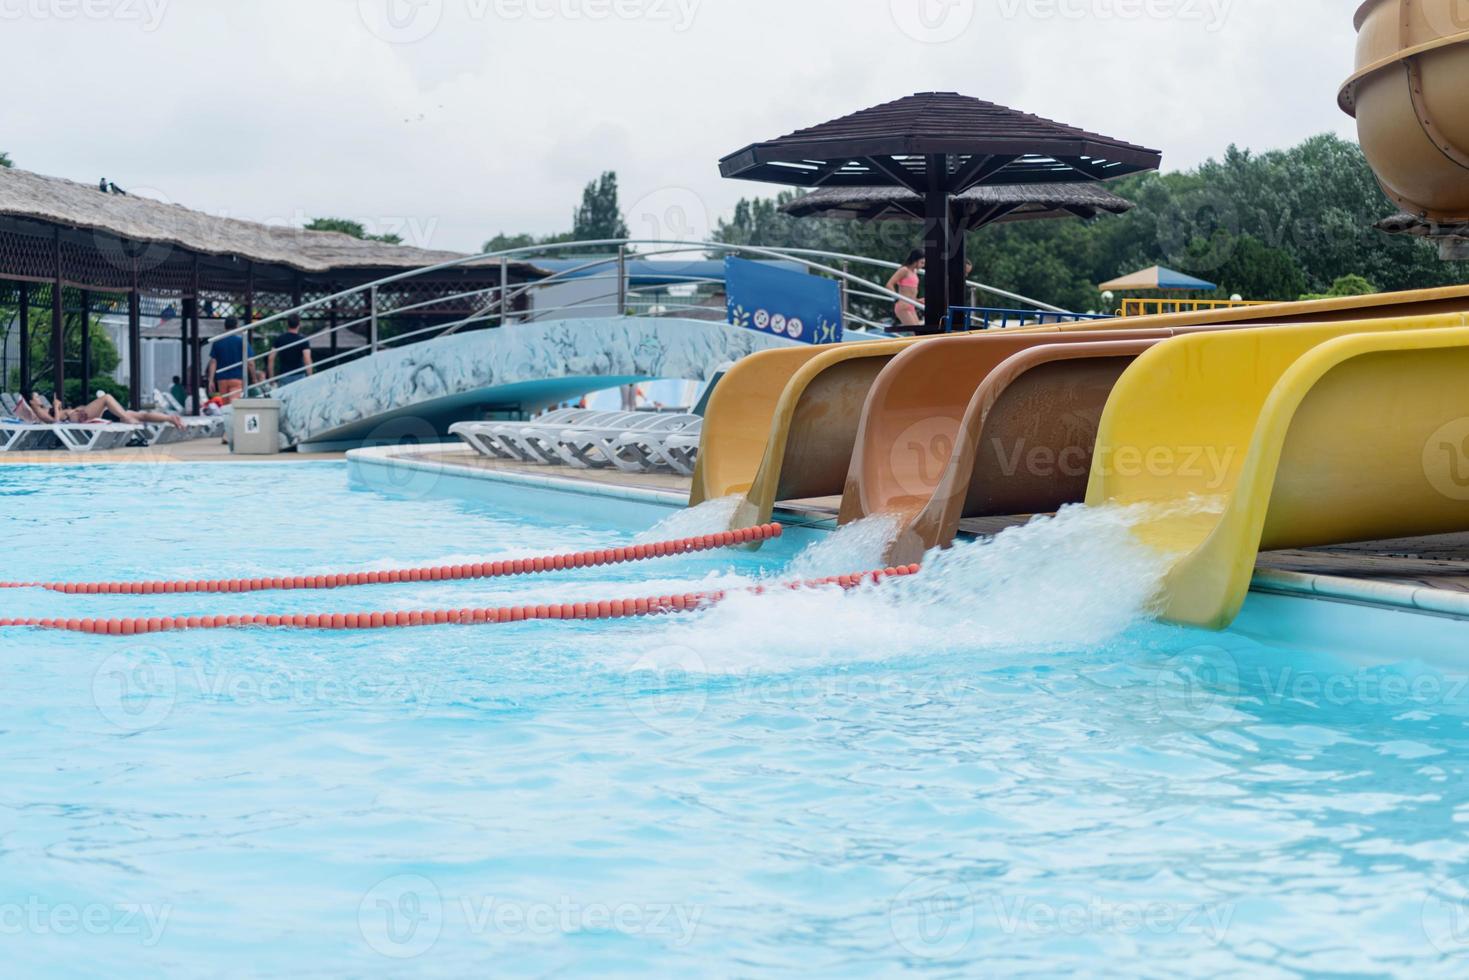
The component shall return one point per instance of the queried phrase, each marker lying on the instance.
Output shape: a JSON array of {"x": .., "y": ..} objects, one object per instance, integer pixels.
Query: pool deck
[{"x": 197, "y": 451}]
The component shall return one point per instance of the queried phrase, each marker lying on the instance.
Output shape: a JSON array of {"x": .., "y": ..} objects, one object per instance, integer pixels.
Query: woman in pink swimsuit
[{"x": 905, "y": 282}]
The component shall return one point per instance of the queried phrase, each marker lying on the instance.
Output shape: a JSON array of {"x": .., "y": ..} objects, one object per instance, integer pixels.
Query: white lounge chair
[
  {"x": 539, "y": 441},
  {"x": 18, "y": 436},
  {"x": 195, "y": 426},
  {"x": 91, "y": 437},
  {"x": 624, "y": 443},
  {"x": 489, "y": 438},
  {"x": 676, "y": 447}
]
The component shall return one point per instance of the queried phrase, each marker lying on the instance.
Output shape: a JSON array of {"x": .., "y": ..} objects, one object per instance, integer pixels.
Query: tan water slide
[{"x": 978, "y": 426}]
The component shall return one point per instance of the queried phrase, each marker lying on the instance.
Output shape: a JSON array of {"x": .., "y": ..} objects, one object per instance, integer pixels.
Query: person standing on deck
[
  {"x": 229, "y": 357},
  {"x": 905, "y": 283},
  {"x": 290, "y": 355}
]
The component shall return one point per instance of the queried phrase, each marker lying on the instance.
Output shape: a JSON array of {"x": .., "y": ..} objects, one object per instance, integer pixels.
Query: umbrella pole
[
  {"x": 959, "y": 250},
  {"x": 936, "y": 244}
]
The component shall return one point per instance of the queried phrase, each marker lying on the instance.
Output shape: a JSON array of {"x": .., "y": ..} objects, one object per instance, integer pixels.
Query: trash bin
[{"x": 256, "y": 428}]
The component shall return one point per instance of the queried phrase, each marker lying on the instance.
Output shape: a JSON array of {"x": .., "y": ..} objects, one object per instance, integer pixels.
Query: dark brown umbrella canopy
[
  {"x": 938, "y": 145},
  {"x": 988, "y": 144},
  {"x": 975, "y": 208}
]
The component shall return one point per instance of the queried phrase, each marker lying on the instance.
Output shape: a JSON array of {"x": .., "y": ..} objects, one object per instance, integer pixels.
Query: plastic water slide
[
  {"x": 983, "y": 425},
  {"x": 781, "y": 424},
  {"x": 1285, "y": 437}
]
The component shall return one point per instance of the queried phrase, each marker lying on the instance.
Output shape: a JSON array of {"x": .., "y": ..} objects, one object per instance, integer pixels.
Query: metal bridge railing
[
  {"x": 962, "y": 318},
  {"x": 500, "y": 306}
]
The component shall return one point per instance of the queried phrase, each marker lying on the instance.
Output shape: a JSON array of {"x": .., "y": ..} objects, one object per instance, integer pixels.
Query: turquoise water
[{"x": 998, "y": 768}]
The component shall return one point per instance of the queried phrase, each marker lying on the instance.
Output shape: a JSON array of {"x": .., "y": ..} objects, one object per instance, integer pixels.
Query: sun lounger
[
  {"x": 677, "y": 449},
  {"x": 19, "y": 436},
  {"x": 91, "y": 437},
  {"x": 195, "y": 426}
]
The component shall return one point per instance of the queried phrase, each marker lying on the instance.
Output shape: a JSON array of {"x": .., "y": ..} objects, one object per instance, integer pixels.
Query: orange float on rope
[{"x": 603, "y": 609}]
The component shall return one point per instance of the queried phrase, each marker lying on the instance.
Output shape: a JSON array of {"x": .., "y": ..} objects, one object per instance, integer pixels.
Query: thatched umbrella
[{"x": 938, "y": 145}]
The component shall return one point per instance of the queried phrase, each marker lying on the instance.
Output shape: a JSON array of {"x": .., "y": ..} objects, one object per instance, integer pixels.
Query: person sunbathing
[{"x": 96, "y": 411}]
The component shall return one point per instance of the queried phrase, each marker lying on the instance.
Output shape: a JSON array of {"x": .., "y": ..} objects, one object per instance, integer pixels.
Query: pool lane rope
[
  {"x": 599, "y": 610},
  {"x": 442, "y": 573}
]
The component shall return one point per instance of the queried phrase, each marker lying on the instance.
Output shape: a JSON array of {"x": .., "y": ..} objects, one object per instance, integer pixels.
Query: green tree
[
  {"x": 354, "y": 228},
  {"x": 5, "y": 160},
  {"x": 504, "y": 243},
  {"x": 1350, "y": 285},
  {"x": 600, "y": 215},
  {"x": 105, "y": 359}
]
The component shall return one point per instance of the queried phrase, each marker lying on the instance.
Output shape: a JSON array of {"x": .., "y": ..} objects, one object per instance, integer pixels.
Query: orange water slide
[{"x": 987, "y": 425}]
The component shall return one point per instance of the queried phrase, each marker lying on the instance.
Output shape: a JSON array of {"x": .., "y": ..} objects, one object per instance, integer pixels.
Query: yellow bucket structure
[
  {"x": 1410, "y": 96},
  {"x": 1286, "y": 437}
]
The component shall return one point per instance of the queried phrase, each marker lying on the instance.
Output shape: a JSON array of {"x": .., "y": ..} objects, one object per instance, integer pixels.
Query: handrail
[
  {"x": 499, "y": 301},
  {"x": 988, "y": 314}
]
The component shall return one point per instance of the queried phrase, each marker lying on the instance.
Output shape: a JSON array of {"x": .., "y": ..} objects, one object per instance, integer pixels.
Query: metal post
[
  {"x": 135, "y": 350},
  {"x": 622, "y": 280},
  {"x": 958, "y": 253},
  {"x": 331, "y": 322},
  {"x": 373, "y": 336},
  {"x": 25, "y": 339},
  {"x": 936, "y": 244},
  {"x": 504, "y": 291},
  {"x": 58, "y": 329},
  {"x": 86, "y": 375},
  {"x": 192, "y": 353},
  {"x": 847, "y": 268}
]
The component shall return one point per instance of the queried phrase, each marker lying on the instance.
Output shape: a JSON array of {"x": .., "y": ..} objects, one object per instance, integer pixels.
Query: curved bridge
[{"x": 422, "y": 389}]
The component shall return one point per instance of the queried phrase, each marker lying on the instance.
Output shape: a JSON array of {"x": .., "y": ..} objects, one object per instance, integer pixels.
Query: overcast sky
[{"x": 450, "y": 120}]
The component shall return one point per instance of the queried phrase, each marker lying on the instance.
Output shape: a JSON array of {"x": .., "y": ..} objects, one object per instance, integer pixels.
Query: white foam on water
[
  {"x": 710, "y": 517},
  {"x": 1071, "y": 582},
  {"x": 856, "y": 547}
]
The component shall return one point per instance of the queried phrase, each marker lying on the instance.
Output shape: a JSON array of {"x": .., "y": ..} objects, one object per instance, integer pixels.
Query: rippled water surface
[{"x": 999, "y": 767}]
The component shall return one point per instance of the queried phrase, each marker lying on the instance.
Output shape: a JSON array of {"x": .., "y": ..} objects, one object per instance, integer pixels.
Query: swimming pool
[{"x": 1000, "y": 767}]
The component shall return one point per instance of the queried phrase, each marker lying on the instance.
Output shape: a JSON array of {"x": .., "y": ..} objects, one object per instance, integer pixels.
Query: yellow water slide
[{"x": 1286, "y": 437}]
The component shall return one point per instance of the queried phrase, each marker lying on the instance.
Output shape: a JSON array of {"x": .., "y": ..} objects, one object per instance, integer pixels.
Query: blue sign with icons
[{"x": 794, "y": 305}]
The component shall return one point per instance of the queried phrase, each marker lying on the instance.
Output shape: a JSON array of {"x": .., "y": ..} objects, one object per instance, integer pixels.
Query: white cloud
[{"x": 283, "y": 109}]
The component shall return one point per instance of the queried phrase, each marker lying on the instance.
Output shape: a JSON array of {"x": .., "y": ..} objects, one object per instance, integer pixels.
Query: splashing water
[
  {"x": 1071, "y": 582},
  {"x": 709, "y": 517},
  {"x": 856, "y": 547}
]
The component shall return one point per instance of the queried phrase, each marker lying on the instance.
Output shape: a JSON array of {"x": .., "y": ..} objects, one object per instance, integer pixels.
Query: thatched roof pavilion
[{"x": 58, "y": 235}]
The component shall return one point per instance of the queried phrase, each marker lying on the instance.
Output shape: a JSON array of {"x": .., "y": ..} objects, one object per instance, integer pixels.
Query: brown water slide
[{"x": 983, "y": 426}]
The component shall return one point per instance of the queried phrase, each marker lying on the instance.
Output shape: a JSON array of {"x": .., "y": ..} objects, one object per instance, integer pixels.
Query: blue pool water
[{"x": 997, "y": 768}]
